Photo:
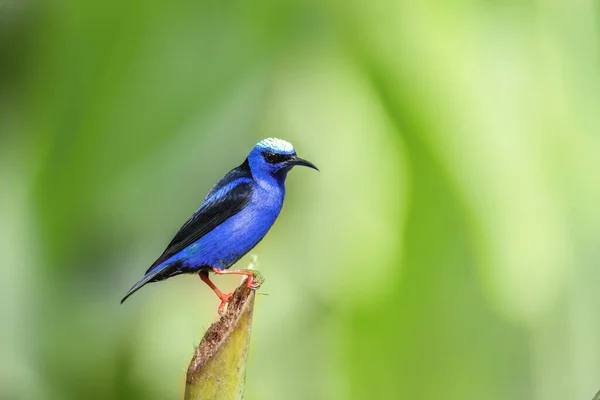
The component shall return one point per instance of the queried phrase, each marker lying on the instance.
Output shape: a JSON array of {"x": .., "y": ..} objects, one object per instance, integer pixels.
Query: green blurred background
[{"x": 448, "y": 249}]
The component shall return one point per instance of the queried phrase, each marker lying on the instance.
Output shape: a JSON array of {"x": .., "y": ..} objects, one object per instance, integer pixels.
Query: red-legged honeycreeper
[{"x": 235, "y": 215}]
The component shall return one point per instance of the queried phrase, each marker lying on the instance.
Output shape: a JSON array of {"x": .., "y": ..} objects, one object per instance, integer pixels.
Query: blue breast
[{"x": 231, "y": 240}]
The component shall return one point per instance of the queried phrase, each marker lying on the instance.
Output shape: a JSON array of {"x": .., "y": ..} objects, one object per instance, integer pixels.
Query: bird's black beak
[{"x": 295, "y": 160}]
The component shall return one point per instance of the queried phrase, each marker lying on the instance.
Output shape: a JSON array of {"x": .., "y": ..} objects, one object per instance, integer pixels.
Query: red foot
[
  {"x": 251, "y": 282},
  {"x": 254, "y": 280},
  {"x": 225, "y": 299}
]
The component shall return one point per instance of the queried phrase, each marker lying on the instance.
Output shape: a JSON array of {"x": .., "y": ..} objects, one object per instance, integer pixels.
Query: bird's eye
[
  {"x": 269, "y": 157},
  {"x": 274, "y": 158}
]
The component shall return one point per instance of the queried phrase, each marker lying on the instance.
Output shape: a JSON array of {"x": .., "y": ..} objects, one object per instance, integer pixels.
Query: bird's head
[{"x": 275, "y": 157}]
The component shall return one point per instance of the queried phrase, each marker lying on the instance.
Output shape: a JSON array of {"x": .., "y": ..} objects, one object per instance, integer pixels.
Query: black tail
[
  {"x": 151, "y": 276},
  {"x": 156, "y": 273}
]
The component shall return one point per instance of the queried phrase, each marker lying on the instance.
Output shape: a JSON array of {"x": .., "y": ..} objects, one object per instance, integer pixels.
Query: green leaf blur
[{"x": 447, "y": 249}]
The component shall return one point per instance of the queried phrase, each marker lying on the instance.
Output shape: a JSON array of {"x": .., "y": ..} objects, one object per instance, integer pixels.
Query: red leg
[
  {"x": 254, "y": 281},
  {"x": 225, "y": 298}
]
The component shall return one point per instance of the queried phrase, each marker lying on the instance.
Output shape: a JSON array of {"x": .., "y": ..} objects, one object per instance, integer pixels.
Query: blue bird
[{"x": 235, "y": 215}]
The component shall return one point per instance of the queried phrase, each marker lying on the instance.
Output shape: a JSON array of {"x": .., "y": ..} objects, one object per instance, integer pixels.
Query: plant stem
[{"x": 218, "y": 367}]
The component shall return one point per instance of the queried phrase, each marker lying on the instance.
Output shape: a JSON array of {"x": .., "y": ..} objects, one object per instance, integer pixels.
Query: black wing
[
  {"x": 241, "y": 172},
  {"x": 213, "y": 212}
]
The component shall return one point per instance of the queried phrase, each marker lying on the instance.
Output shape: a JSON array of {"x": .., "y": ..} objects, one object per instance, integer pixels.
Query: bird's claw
[
  {"x": 255, "y": 280},
  {"x": 221, "y": 309},
  {"x": 224, "y": 302},
  {"x": 253, "y": 285}
]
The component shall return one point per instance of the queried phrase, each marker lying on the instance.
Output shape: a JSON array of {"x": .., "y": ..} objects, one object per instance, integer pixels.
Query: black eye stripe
[{"x": 275, "y": 158}]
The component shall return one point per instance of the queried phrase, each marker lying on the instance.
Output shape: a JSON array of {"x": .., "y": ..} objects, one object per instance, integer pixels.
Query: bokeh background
[{"x": 448, "y": 249}]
